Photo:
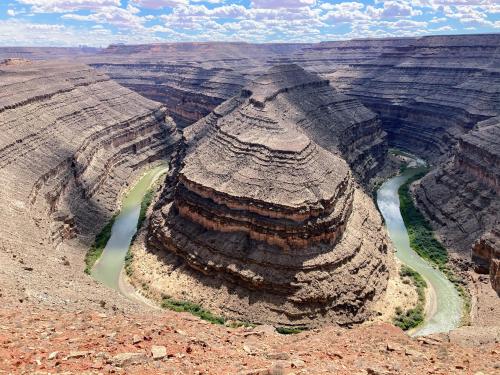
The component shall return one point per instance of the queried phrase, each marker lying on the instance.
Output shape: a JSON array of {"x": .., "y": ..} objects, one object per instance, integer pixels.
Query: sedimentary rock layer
[
  {"x": 190, "y": 79},
  {"x": 264, "y": 203},
  {"x": 461, "y": 195},
  {"x": 71, "y": 140},
  {"x": 486, "y": 257},
  {"x": 428, "y": 91}
]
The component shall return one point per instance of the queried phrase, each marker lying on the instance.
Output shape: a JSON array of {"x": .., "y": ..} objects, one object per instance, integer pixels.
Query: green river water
[
  {"x": 445, "y": 310},
  {"x": 108, "y": 267},
  {"x": 446, "y": 306}
]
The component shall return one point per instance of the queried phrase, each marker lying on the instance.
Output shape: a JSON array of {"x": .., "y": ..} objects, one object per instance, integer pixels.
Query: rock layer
[
  {"x": 461, "y": 196},
  {"x": 264, "y": 204},
  {"x": 486, "y": 257},
  {"x": 71, "y": 140}
]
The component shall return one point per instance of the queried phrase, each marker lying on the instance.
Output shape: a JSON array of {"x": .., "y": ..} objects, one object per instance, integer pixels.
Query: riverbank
[
  {"x": 109, "y": 265},
  {"x": 444, "y": 311}
]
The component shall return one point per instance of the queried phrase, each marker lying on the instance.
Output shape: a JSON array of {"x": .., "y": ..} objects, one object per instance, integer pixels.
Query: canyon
[
  {"x": 432, "y": 94},
  {"x": 71, "y": 141},
  {"x": 266, "y": 215},
  {"x": 265, "y": 208}
]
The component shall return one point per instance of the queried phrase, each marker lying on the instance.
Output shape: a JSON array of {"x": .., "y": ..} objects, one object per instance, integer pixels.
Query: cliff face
[
  {"x": 71, "y": 141},
  {"x": 461, "y": 195},
  {"x": 486, "y": 257},
  {"x": 188, "y": 91},
  {"x": 428, "y": 91},
  {"x": 263, "y": 217},
  {"x": 190, "y": 79}
]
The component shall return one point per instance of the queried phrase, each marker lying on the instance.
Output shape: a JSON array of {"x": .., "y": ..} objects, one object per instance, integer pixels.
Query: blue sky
[{"x": 102, "y": 22}]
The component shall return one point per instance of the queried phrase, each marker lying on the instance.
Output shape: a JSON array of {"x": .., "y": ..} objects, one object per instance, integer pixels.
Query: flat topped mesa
[{"x": 258, "y": 206}]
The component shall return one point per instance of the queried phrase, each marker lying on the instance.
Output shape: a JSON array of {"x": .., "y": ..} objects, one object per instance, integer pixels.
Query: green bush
[
  {"x": 415, "y": 316},
  {"x": 97, "y": 248},
  {"x": 145, "y": 203},
  {"x": 289, "y": 331},
  {"x": 423, "y": 241},
  {"x": 197, "y": 310}
]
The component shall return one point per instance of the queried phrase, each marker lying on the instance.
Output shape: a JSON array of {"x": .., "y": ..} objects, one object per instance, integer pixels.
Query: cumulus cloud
[
  {"x": 158, "y": 4},
  {"x": 254, "y": 20},
  {"x": 393, "y": 9},
  {"x": 274, "y": 4},
  {"x": 62, "y": 6},
  {"x": 120, "y": 17}
]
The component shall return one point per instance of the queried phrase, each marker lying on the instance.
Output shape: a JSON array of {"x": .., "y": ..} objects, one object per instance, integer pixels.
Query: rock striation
[
  {"x": 486, "y": 257},
  {"x": 263, "y": 214},
  {"x": 428, "y": 91},
  {"x": 71, "y": 140},
  {"x": 190, "y": 79},
  {"x": 461, "y": 195}
]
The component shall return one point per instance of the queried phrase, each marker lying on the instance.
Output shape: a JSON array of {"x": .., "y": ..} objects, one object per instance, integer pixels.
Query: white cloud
[
  {"x": 275, "y": 4},
  {"x": 11, "y": 12},
  {"x": 62, "y": 6},
  {"x": 158, "y": 4},
  {"x": 111, "y": 15}
]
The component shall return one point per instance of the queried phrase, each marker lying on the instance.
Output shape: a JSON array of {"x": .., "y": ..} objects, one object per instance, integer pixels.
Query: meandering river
[
  {"x": 108, "y": 267},
  {"x": 444, "y": 310}
]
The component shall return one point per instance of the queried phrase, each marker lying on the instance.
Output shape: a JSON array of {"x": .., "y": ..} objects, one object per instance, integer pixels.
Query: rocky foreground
[{"x": 48, "y": 341}]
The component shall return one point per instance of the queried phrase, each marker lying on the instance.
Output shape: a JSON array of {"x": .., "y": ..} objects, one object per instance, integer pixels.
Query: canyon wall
[
  {"x": 190, "y": 79},
  {"x": 71, "y": 141},
  {"x": 428, "y": 91},
  {"x": 262, "y": 219},
  {"x": 460, "y": 195}
]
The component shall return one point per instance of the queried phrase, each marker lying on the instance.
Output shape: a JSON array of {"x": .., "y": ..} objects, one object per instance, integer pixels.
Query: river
[
  {"x": 108, "y": 267},
  {"x": 444, "y": 308},
  {"x": 442, "y": 314}
]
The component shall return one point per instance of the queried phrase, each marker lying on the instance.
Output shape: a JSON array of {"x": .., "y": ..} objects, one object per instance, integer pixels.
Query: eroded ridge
[
  {"x": 71, "y": 140},
  {"x": 259, "y": 222}
]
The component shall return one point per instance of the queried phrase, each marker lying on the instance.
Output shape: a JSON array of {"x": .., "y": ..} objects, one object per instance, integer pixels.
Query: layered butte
[
  {"x": 71, "y": 140},
  {"x": 262, "y": 219}
]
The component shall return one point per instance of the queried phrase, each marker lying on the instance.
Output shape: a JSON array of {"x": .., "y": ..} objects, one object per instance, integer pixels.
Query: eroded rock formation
[
  {"x": 486, "y": 257},
  {"x": 461, "y": 195},
  {"x": 263, "y": 214},
  {"x": 71, "y": 140}
]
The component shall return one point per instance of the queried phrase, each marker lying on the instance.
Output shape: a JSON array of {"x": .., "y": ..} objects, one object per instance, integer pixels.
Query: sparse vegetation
[
  {"x": 97, "y": 248},
  {"x": 415, "y": 316},
  {"x": 423, "y": 241},
  {"x": 145, "y": 203},
  {"x": 186, "y": 306},
  {"x": 422, "y": 238},
  {"x": 290, "y": 331}
]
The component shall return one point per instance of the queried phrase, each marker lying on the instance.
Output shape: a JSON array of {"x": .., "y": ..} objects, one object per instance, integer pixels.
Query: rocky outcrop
[
  {"x": 486, "y": 257},
  {"x": 71, "y": 140},
  {"x": 460, "y": 197},
  {"x": 264, "y": 203}
]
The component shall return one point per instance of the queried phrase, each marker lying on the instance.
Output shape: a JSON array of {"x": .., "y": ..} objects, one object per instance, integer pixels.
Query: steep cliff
[
  {"x": 190, "y": 79},
  {"x": 263, "y": 220},
  {"x": 460, "y": 196},
  {"x": 71, "y": 141},
  {"x": 428, "y": 91},
  {"x": 486, "y": 257}
]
